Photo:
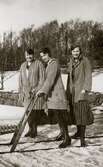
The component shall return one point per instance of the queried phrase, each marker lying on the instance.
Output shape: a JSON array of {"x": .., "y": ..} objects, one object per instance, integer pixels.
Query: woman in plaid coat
[{"x": 78, "y": 85}]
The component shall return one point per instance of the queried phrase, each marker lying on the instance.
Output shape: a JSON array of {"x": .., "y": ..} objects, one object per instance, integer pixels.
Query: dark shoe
[
  {"x": 30, "y": 134},
  {"x": 76, "y": 136},
  {"x": 65, "y": 143},
  {"x": 83, "y": 145},
  {"x": 59, "y": 137},
  {"x": 27, "y": 134},
  {"x": 33, "y": 135}
]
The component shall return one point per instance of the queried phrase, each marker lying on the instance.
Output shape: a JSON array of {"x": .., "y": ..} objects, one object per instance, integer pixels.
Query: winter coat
[
  {"x": 53, "y": 87},
  {"x": 79, "y": 78},
  {"x": 34, "y": 81}
]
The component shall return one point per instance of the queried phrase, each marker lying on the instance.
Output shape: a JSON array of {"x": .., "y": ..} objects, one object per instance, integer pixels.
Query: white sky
[{"x": 18, "y": 14}]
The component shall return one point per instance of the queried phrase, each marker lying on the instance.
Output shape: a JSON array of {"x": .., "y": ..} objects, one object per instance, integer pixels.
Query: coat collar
[
  {"x": 50, "y": 61},
  {"x": 29, "y": 65},
  {"x": 77, "y": 62}
]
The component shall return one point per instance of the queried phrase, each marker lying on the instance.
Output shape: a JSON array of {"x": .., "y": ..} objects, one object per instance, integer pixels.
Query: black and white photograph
[{"x": 51, "y": 83}]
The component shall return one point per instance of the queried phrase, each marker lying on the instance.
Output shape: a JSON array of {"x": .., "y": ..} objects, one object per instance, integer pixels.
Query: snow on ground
[
  {"x": 97, "y": 81},
  {"x": 44, "y": 152},
  {"x": 97, "y": 84},
  {"x": 11, "y": 112},
  {"x": 11, "y": 81}
]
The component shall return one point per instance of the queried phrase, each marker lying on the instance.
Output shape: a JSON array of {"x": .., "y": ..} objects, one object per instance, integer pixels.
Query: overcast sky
[{"x": 19, "y": 14}]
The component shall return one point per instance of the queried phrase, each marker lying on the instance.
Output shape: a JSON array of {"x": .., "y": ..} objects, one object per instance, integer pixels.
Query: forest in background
[{"x": 59, "y": 37}]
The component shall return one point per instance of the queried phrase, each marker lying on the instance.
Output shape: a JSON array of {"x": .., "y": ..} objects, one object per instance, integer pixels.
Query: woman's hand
[
  {"x": 40, "y": 93},
  {"x": 83, "y": 91}
]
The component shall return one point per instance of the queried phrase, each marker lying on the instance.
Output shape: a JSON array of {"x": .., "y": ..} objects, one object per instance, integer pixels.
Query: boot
[
  {"x": 64, "y": 129},
  {"x": 83, "y": 144},
  {"x": 78, "y": 133},
  {"x": 32, "y": 131},
  {"x": 32, "y": 125},
  {"x": 60, "y": 136},
  {"x": 30, "y": 134},
  {"x": 82, "y": 138},
  {"x": 66, "y": 141}
]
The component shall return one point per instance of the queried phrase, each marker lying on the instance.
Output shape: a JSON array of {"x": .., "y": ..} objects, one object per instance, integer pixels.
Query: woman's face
[
  {"x": 29, "y": 57},
  {"x": 44, "y": 57},
  {"x": 76, "y": 52}
]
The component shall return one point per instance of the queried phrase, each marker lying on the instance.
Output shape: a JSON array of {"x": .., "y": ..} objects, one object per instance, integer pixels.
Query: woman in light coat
[
  {"x": 78, "y": 85},
  {"x": 31, "y": 79},
  {"x": 54, "y": 90}
]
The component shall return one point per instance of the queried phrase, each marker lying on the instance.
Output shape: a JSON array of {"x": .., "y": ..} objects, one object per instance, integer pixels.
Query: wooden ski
[{"x": 19, "y": 130}]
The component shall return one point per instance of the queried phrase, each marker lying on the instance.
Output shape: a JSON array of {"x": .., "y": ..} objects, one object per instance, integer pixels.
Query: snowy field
[
  {"x": 11, "y": 112},
  {"x": 43, "y": 151},
  {"x": 11, "y": 81}
]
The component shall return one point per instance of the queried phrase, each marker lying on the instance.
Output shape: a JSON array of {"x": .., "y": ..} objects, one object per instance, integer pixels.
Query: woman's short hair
[
  {"x": 30, "y": 51},
  {"x": 46, "y": 50},
  {"x": 76, "y": 46}
]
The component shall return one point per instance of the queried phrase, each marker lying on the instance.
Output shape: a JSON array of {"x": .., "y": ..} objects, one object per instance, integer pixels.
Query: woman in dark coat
[{"x": 78, "y": 85}]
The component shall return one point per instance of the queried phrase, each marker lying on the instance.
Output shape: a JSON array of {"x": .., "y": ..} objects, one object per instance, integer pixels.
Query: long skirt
[{"x": 81, "y": 113}]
